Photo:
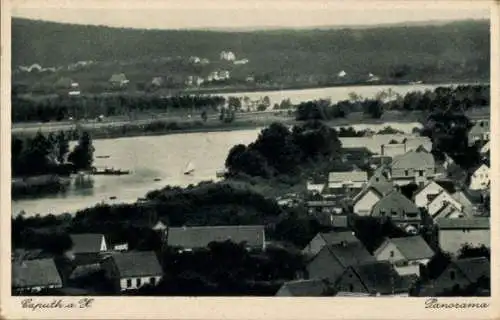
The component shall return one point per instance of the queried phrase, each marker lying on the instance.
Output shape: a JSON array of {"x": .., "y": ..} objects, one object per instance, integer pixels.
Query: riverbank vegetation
[
  {"x": 42, "y": 164},
  {"x": 459, "y": 98}
]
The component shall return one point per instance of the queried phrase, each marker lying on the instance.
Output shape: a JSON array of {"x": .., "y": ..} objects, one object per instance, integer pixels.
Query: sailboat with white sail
[{"x": 189, "y": 168}]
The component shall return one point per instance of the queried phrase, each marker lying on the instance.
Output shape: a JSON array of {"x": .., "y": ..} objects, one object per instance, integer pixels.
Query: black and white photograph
[{"x": 281, "y": 149}]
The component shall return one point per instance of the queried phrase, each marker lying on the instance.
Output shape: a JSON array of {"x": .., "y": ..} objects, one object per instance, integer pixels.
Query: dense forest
[{"x": 458, "y": 51}]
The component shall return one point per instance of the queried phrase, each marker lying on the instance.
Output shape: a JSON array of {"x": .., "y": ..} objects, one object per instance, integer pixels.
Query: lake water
[
  {"x": 160, "y": 157},
  {"x": 333, "y": 93}
]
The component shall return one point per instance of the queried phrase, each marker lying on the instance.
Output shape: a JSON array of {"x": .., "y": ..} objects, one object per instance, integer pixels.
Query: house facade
[
  {"x": 454, "y": 233},
  {"x": 132, "y": 270},
  {"x": 365, "y": 200},
  {"x": 423, "y": 195},
  {"x": 442, "y": 200},
  {"x": 480, "y": 178},
  {"x": 415, "y": 166},
  {"x": 405, "y": 254}
]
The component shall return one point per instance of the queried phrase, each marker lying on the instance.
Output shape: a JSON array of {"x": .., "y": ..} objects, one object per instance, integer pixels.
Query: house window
[
  {"x": 138, "y": 282},
  {"x": 406, "y": 172},
  {"x": 152, "y": 281},
  {"x": 452, "y": 275},
  {"x": 382, "y": 212},
  {"x": 351, "y": 287},
  {"x": 129, "y": 283},
  {"x": 392, "y": 254},
  {"x": 421, "y": 173}
]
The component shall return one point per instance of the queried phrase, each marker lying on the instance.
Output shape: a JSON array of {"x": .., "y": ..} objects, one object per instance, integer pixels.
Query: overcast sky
[{"x": 188, "y": 14}]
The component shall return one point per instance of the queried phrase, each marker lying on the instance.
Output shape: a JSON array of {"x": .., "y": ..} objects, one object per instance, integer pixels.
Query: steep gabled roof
[
  {"x": 87, "y": 242},
  {"x": 306, "y": 288},
  {"x": 334, "y": 237},
  {"x": 349, "y": 254},
  {"x": 35, "y": 273},
  {"x": 413, "y": 159},
  {"x": 380, "y": 277},
  {"x": 137, "y": 264},
  {"x": 474, "y": 268},
  {"x": 395, "y": 201},
  {"x": 412, "y": 248}
]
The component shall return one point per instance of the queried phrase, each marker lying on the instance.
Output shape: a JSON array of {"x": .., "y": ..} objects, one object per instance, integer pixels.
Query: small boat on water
[
  {"x": 108, "y": 171},
  {"x": 112, "y": 198},
  {"x": 157, "y": 179},
  {"x": 189, "y": 168},
  {"x": 102, "y": 157}
]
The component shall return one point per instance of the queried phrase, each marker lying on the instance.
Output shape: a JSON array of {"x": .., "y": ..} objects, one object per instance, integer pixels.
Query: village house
[
  {"x": 406, "y": 254},
  {"x": 328, "y": 238},
  {"x": 424, "y": 195},
  {"x": 331, "y": 261},
  {"x": 454, "y": 233},
  {"x": 305, "y": 288},
  {"x": 342, "y": 74},
  {"x": 443, "y": 205},
  {"x": 393, "y": 149},
  {"x": 485, "y": 150},
  {"x": 88, "y": 243},
  {"x": 472, "y": 201},
  {"x": 480, "y": 178},
  {"x": 227, "y": 55},
  {"x": 459, "y": 274},
  {"x": 157, "y": 81},
  {"x": 118, "y": 80},
  {"x": 32, "y": 276},
  {"x": 355, "y": 179},
  {"x": 479, "y": 132},
  {"x": 415, "y": 166},
  {"x": 190, "y": 238},
  {"x": 377, "y": 278},
  {"x": 401, "y": 210},
  {"x": 377, "y": 187},
  {"x": 315, "y": 187},
  {"x": 132, "y": 270}
]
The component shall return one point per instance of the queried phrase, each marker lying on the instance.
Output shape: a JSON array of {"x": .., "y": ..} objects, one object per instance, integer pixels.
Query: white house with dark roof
[
  {"x": 406, "y": 254},
  {"x": 424, "y": 195},
  {"x": 189, "y": 238},
  {"x": 443, "y": 200},
  {"x": 132, "y": 270},
  {"x": 31, "y": 276},
  {"x": 376, "y": 188},
  {"x": 415, "y": 166},
  {"x": 355, "y": 179},
  {"x": 480, "y": 178},
  {"x": 480, "y": 131},
  {"x": 454, "y": 233},
  {"x": 119, "y": 79}
]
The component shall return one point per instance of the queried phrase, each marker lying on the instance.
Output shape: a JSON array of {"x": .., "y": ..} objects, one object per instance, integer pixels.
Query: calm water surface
[{"x": 165, "y": 157}]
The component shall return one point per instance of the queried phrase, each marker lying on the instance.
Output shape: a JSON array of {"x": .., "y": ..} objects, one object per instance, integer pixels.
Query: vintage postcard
[{"x": 249, "y": 159}]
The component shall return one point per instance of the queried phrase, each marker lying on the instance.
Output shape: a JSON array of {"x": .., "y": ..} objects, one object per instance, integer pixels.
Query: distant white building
[
  {"x": 372, "y": 77},
  {"x": 341, "y": 74},
  {"x": 227, "y": 55},
  {"x": 480, "y": 178},
  {"x": 242, "y": 61}
]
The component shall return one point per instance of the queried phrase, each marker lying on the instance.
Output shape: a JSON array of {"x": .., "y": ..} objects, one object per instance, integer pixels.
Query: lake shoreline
[{"x": 136, "y": 130}]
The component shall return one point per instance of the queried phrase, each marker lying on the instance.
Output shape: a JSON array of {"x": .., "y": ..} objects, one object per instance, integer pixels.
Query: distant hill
[{"x": 451, "y": 51}]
